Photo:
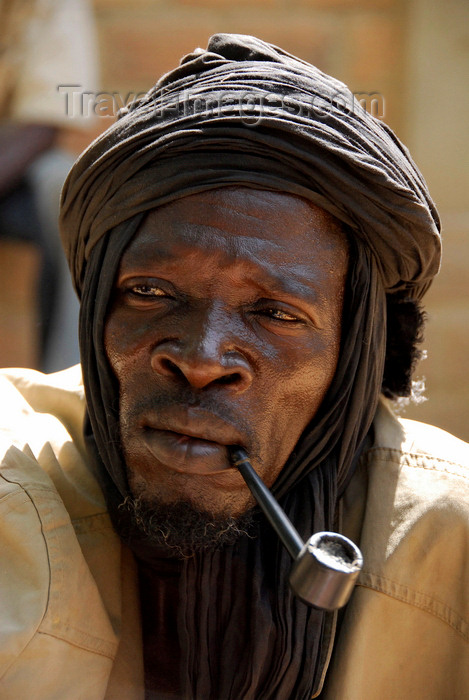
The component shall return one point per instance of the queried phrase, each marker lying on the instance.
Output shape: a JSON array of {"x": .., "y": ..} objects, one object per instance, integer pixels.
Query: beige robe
[{"x": 69, "y": 609}]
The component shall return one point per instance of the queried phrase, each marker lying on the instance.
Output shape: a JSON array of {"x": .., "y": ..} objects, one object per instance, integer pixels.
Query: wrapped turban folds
[{"x": 245, "y": 113}]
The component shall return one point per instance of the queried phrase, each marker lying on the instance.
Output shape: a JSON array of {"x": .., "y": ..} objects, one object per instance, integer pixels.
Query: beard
[{"x": 180, "y": 530}]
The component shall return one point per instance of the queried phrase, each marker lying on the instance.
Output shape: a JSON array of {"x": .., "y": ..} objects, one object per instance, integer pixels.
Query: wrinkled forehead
[
  {"x": 237, "y": 213},
  {"x": 241, "y": 238}
]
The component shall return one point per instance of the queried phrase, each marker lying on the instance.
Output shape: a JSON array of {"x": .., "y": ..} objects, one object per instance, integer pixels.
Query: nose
[{"x": 204, "y": 354}]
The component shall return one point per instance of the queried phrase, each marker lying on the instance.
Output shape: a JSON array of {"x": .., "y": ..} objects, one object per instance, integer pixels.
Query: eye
[
  {"x": 147, "y": 290},
  {"x": 147, "y": 294},
  {"x": 281, "y": 315}
]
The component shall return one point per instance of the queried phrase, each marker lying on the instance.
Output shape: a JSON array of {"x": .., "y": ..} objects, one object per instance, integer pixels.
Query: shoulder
[
  {"x": 28, "y": 391},
  {"x": 416, "y": 473},
  {"x": 56, "y": 539},
  {"x": 416, "y": 442},
  {"x": 36, "y": 386},
  {"x": 37, "y": 407},
  {"x": 416, "y": 518},
  {"x": 41, "y": 424},
  {"x": 420, "y": 463},
  {"x": 418, "y": 470},
  {"x": 406, "y": 627}
]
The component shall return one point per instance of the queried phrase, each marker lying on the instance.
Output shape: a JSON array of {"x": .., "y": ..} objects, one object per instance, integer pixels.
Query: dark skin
[{"x": 224, "y": 329}]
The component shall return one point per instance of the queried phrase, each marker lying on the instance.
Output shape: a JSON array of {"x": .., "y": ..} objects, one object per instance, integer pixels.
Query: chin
[
  {"x": 181, "y": 528},
  {"x": 220, "y": 495}
]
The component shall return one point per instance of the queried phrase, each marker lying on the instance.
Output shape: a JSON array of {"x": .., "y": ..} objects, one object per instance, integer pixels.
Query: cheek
[
  {"x": 308, "y": 374},
  {"x": 313, "y": 383},
  {"x": 296, "y": 393},
  {"x": 124, "y": 343}
]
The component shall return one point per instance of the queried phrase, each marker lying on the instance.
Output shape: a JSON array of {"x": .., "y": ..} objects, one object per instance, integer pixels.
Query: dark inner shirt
[{"x": 159, "y": 593}]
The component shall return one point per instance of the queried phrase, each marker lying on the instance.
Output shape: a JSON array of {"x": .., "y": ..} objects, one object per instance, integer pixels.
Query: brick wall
[{"x": 356, "y": 42}]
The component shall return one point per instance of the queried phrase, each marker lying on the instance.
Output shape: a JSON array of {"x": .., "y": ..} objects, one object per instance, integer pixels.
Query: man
[{"x": 250, "y": 250}]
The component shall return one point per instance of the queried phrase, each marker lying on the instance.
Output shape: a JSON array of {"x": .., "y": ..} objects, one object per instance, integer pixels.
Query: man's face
[{"x": 224, "y": 329}]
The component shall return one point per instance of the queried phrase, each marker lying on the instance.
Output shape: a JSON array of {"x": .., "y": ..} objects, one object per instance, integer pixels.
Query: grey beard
[{"x": 179, "y": 530}]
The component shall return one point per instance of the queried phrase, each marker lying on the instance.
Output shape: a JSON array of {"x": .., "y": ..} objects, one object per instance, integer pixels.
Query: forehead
[{"x": 242, "y": 223}]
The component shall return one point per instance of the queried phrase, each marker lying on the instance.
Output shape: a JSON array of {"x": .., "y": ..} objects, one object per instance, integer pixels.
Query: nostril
[
  {"x": 201, "y": 373},
  {"x": 227, "y": 379},
  {"x": 170, "y": 367}
]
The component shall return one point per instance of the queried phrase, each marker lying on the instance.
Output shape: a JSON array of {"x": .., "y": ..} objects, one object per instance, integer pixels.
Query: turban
[
  {"x": 218, "y": 118},
  {"x": 245, "y": 113}
]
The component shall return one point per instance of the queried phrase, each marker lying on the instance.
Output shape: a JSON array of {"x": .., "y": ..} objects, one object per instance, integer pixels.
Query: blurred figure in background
[{"x": 43, "y": 44}]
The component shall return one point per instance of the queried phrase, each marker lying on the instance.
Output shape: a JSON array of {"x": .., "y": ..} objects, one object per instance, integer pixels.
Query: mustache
[{"x": 184, "y": 398}]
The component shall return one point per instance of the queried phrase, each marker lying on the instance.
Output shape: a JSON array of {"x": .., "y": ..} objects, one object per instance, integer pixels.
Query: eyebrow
[
  {"x": 290, "y": 290},
  {"x": 301, "y": 286}
]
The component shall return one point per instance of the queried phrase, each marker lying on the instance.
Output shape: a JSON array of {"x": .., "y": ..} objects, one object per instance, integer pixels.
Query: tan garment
[{"x": 68, "y": 591}]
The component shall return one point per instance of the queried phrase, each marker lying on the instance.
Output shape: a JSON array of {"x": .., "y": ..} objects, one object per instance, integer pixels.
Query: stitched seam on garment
[
  {"x": 27, "y": 497},
  {"x": 103, "y": 653},
  {"x": 417, "y": 460},
  {"x": 52, "y": 540},
  {"x": 98, "y": 522},
  {"x": 428, "y": 604},
  {"x": 72, "y": 634},
  {"x": 25, "y": 485},
  {"x": 87, "y": 642},
  {"x": 19, "y": 494},
  {"x": 81, "y": 639}
]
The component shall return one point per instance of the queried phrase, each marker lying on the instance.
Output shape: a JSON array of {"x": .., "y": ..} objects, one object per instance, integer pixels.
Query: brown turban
[{"x": 246, "y": 113}]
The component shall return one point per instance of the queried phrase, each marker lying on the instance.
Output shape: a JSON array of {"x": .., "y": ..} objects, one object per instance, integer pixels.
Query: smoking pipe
[{"x": 325, "y": 567}]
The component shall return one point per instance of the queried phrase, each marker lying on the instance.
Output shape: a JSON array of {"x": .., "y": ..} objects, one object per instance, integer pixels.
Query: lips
[{"x": 189, "y": 440}]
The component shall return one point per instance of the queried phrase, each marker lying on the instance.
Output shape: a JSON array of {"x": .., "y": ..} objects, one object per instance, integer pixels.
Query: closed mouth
[{"x": 187, "y": 453}]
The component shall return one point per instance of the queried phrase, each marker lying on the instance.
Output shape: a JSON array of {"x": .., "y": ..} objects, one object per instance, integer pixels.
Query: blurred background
[{"x": 408, "y": 59}]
